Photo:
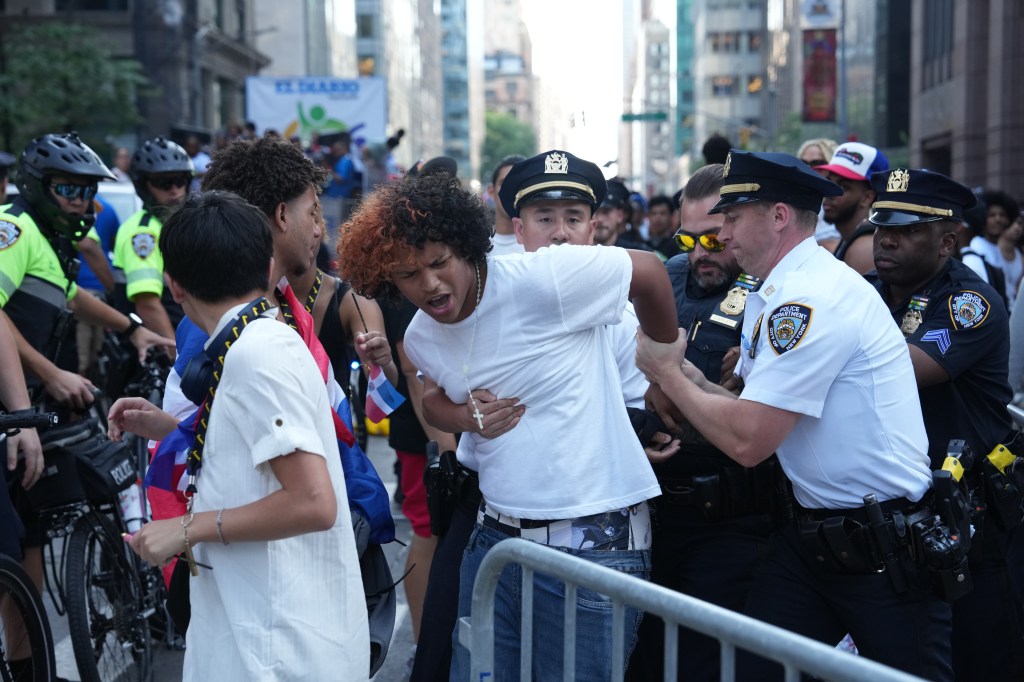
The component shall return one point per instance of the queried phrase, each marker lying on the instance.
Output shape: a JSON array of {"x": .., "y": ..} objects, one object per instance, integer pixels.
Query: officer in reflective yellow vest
[{"x": 161, "y": 171}]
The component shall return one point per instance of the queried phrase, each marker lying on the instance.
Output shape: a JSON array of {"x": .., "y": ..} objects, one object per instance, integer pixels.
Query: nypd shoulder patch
[
  {"x": 9, "y": 233},
  {"x": 968, "y": 309},
  {"x": 787, "y": 326},
  {"x": 143, "y": 244}
]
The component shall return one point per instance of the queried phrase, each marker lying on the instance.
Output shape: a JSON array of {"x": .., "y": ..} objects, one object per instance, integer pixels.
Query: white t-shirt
[
  {"x": 503, "y": 244},
  {"x": 634, "y": 383},
  {"x": 1012, "y": 269},
  {"x": 827, "y": 348},
  {"x": 540, "y": 337},
  {"x": 290, "y": 609}
]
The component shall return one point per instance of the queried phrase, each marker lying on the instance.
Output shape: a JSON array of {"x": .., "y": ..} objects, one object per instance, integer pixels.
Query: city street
[{"x": 167, "y": 663}]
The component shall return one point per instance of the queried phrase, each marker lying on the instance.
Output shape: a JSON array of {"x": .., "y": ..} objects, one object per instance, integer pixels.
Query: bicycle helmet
[
  {"x": 58, "y": 154},
  {"x": 158, "y": 155}
]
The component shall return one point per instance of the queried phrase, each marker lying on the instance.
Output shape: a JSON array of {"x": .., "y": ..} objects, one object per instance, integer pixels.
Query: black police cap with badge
[
  {"x": 908, "y": 196},
  {"x": 552, "y": 175},
  {"x": 772, "y": 176}
]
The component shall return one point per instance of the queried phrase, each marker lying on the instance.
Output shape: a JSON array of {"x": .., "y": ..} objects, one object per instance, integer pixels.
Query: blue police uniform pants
[
  {"x": 593, "y": 615},
  {"x": 433, "y": 659},
  {"x": 910, "y": 631},
  {"x": 710, "y": 561},
  {"x": 987, "y": 633}
]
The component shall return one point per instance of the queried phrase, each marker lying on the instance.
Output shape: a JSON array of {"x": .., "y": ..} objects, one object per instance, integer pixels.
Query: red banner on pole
[{"x": 819, "y": 75}]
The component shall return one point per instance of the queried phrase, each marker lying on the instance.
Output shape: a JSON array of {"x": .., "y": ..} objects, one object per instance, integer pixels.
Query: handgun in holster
[
  {"x": 1003, "y": 474},
  {"x": 940, "y": 533},
  {"x": 439, "y": 496}
]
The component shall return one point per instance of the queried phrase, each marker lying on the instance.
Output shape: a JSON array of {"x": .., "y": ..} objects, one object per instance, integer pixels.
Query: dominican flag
[
  {"x": 167, "y": 469},
  {"x": 381, "y": 397}
]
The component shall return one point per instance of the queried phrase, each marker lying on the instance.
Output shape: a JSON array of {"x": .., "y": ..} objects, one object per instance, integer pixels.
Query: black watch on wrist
[{"x": 134, "y": 322}]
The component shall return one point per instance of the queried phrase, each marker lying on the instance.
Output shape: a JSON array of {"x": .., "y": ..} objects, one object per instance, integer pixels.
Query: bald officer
[{"x": 830, "y": 388}]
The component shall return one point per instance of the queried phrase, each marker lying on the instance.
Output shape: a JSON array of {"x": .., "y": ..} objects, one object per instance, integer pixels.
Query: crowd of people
[{"x": 742, "y": 392}]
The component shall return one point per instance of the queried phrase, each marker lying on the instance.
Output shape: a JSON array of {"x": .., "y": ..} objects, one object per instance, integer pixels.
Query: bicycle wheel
[
  {"x": 32, "y": 642},
  {"x": 109, "y": 633}
]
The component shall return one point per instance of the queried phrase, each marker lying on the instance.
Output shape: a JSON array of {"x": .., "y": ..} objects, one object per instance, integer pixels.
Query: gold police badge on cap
[
  {"x": 899, "y": 181},
  {"x": 556, "y": 163}
]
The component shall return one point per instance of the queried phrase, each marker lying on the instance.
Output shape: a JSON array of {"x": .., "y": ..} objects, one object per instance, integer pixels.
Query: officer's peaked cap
[
  {"x": 772, "y": 176},
  {"x": 907, "y": 196},
  {"x": 552, "y": 175}
]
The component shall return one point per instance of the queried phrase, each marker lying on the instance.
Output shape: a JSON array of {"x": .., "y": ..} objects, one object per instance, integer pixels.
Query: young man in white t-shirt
[
  {"x": 284, "y": 597},
  {"x": 572, "y": 473}
]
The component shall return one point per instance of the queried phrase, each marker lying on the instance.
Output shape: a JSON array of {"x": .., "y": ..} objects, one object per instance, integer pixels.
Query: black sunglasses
[
  {"x": 167, "y": 182},
  {"x": 71, "y": 191},
  {"x": 688, "y": 242}
]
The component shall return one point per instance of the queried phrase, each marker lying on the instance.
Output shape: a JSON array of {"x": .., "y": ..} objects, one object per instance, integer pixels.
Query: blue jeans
[{"x": 593, "y": 615}]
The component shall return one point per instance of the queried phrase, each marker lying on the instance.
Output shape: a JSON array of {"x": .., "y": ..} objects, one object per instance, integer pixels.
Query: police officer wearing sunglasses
[
  {"x": 714, "y": 516},
  {"x": 829, "y": 387},
  {"x": 956, "y": 328},
  {"x": 39, "y": 234},
  {"x": 161, "y": 171}
]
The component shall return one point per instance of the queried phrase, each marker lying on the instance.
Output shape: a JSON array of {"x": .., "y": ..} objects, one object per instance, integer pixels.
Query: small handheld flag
[{"x": 381, "y": 397}]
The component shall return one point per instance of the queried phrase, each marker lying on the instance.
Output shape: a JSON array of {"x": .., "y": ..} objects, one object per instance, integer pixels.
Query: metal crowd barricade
[{"x": 796, "y": 653}]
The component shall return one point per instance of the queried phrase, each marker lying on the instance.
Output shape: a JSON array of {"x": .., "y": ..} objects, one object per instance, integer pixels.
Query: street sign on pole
[{"x": 660, "y": 116}]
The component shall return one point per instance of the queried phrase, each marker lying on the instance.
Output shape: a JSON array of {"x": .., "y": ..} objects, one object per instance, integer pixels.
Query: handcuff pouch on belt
[
  {"x": 447, "y": 483},
  {"x": 730, "y": 493}
]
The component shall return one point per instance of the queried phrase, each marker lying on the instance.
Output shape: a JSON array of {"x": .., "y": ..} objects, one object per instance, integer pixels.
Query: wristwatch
[{"x": 134, "y": 322}]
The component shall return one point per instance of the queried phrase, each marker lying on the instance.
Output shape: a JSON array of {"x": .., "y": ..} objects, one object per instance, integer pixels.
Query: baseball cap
[{"x": 856, "y": 161}]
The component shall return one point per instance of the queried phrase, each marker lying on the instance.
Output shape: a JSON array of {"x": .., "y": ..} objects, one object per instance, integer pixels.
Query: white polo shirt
[{"x": 818, "y": 340}]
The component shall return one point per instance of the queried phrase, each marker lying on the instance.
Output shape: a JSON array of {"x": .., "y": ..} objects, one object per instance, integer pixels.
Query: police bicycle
[
  {"x": 148, "y": 383},
  {"x": 24, "y": 626},
  {"x": 91, "y": 498}
]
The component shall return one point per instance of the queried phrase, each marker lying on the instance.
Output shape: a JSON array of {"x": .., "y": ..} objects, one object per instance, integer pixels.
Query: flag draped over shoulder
[{"x": 366, "y": 492}]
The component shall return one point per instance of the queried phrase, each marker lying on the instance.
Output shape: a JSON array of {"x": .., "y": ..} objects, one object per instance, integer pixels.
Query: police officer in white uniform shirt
[{"x": 829, "y": 386}]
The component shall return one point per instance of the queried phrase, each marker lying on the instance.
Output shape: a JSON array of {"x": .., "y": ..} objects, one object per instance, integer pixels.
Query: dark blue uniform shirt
[{"x": 964, "y": 327}]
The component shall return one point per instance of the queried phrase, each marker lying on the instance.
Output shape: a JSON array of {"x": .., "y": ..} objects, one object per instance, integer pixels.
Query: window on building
[
  {"x": 511, "y": 89},
  {"x": 723, "y": 86},
  {"x": 88, "y": 5},
  {"x": 754, "y": 41},
  {"x": 938, "y": 43},
  {"x": 490, "y": 95},
  {"x": 365, "y": 26},
  {"x": 754, "y": 84}
]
